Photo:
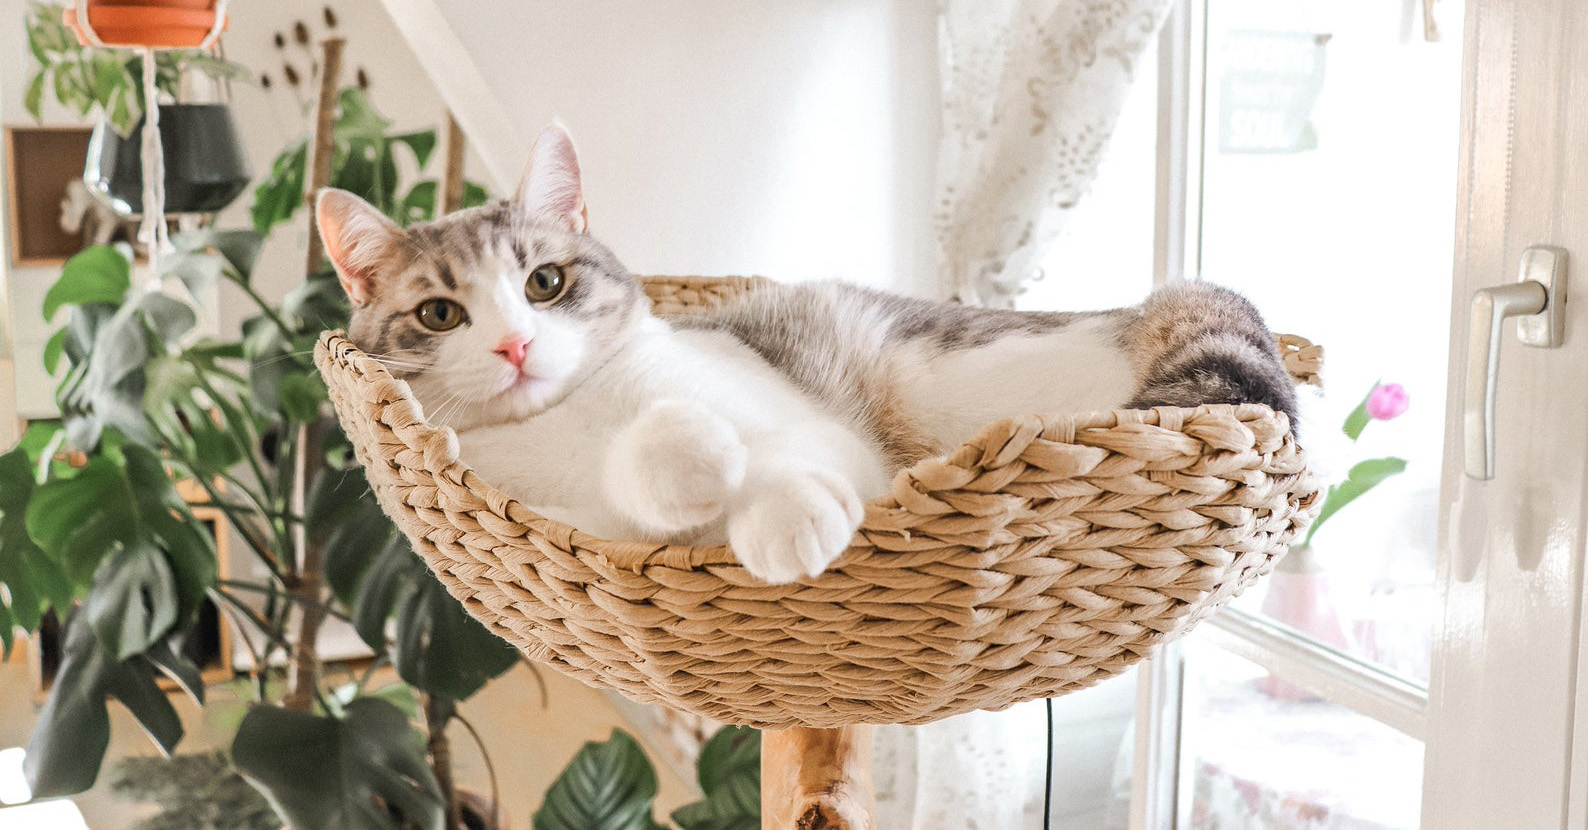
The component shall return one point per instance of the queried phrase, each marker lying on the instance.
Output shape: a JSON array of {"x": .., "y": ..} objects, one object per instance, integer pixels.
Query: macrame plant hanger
[{"x": 152, "y": 230}]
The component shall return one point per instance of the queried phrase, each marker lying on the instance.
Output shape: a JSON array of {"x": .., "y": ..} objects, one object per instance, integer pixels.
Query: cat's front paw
[
  {"x": 675, "y": 466},
  {"x": 795, "y": 525}
]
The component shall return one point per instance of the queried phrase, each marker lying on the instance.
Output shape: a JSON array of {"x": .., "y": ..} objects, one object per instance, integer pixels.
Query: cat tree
[{"x": 1046, "y": 554}]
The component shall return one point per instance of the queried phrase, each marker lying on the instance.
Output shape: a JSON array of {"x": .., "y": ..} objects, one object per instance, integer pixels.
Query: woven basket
[{"x": 1047, "y": 554}]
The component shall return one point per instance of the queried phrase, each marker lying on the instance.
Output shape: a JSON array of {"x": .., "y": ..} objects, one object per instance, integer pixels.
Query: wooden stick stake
[{"x": 817, "y": 779}]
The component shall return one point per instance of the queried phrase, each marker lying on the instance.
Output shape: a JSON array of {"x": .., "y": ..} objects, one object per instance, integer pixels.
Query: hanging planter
[
  {"x": 152, "y": 23},
  {"x": 147, "y": 26},
  {"x": 205, "y": 168}
]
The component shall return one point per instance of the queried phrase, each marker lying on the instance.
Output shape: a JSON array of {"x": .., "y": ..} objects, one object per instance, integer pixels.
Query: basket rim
[{"x": 986, "y": 450}]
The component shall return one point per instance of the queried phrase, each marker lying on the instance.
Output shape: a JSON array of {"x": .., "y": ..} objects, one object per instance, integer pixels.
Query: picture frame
[{"x": 41, "y": 162}]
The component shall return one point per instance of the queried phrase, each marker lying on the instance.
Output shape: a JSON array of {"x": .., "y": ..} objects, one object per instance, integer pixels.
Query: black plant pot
[{"x": 205, "y": 168}]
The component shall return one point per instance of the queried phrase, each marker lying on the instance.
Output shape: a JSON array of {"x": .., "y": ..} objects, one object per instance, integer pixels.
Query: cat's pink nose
[{"x": 512, "y": 349}]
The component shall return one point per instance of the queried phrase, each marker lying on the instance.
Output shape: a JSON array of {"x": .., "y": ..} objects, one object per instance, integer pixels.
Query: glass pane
[
  {"x": 1329, "y": 200},
  {"x": 1266, "y": 755}
]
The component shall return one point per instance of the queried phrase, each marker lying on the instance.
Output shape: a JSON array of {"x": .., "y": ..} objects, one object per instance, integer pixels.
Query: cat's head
[{"x": 491, "y": 314}]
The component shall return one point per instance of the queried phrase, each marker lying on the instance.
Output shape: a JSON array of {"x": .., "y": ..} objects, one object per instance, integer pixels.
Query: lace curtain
[{"x": 1031, "y": 92}]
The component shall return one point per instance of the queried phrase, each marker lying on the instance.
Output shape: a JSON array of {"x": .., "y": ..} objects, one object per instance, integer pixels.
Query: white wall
[{"x": 794, "y": 139}]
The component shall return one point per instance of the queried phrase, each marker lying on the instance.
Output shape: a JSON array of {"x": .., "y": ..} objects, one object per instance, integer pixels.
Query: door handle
[{"x": 1539, "y": 298}]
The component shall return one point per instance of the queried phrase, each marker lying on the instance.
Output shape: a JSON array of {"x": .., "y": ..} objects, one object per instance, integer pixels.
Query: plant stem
[
  {"x": 439, "y": 710},
  {"x": 324, "y": 607},
  {"x": 490, "y": 770}
]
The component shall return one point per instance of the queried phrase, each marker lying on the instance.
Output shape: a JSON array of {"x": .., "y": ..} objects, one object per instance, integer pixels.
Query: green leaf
[
  {"x": 168, "y": 522},
  {"x": 33, "y": 581},
  {"x": 440, "y": 648},
  {"x": 729, "y": 771},
  {"x": 1362, "y": 478},
  {"x": 82, "y": 520},
  {"x": 418, "y": 205},
  {"x": 475, "y": 194},
  {"x": 97, "y": 274},
  {"x": 239, "y": 247},
  {"x": 349, "y": 773},
  {"x": 387, "y": 579},
  {"x": 357, "y": 119},
  {"x": 1358, "y": 419},
  {"x": 280, "y": 194},
  {"x": 422, "y": 142},
  {"x": 133, "y": 601},
  {"x": 53, "y": 349},
  {"x": 607, "y": 786},
  {"x": 33, "y": 99},
  {"x": 301, "y": 396},
  {"x": 73, "y": 729}
]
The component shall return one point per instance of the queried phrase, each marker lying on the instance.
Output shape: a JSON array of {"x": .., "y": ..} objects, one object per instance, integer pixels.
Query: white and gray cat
[{"x": 766, "y": 424}]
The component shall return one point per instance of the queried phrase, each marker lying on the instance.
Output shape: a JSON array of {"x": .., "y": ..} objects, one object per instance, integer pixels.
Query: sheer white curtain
[{"x": 1031, "y": 92}]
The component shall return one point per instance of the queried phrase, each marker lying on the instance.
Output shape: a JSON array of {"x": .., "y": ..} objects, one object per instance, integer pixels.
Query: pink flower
[{"x": 1387, "y": 400}]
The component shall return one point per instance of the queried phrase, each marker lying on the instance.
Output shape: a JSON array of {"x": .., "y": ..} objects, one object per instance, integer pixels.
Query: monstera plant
[{"x": 108, "y": 544}]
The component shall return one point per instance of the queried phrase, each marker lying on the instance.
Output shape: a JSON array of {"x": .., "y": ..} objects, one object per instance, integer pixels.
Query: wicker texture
[{"x": 1047, "y": 554}]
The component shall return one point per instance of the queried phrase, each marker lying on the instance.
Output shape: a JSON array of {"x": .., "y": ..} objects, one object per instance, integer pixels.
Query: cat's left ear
[{"x": 551, "y": 186}]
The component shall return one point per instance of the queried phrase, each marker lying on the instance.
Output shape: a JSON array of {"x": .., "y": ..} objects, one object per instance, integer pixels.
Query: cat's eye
[
  {"x": 439, "y": 314},
  {"x": 544, "y": 284}
]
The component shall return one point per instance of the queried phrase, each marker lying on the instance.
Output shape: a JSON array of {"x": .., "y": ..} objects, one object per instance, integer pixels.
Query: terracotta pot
[{"x": 161, "y": 23}]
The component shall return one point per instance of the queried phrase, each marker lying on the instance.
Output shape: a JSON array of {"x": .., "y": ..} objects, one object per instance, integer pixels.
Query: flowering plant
[{"x": 1382, "y": 403}]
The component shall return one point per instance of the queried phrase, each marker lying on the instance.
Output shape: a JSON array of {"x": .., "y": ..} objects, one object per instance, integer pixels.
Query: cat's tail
[{"x": 1199, "y": 343}]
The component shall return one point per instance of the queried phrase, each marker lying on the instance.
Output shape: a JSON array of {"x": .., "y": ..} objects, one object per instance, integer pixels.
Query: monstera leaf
[
  {"x": 33, "y": 581},
  {"x": 607, "y": 786},
  {"x": 68, "y": 744},
  {"x": 438, "y": 647},
  {"x": 365, "y": 770},
  {"x": 729, "y": 772}
]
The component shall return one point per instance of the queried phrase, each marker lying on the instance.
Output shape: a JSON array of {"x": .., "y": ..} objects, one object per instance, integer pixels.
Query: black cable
[{"x": 1047, "y": 783}]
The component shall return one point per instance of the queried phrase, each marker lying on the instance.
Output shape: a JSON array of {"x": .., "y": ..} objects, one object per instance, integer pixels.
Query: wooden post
[
  {"x": 308, "y": 583},
  {"x": 322, "y": 143},
  {"x": 817, "y": 779},
  {"x": 452, "y": 174}
]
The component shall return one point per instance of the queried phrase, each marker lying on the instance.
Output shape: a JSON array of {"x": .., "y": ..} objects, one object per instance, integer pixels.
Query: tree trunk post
[
  {"x": 817, "y": 779},
  {"x": 309, "y": 557}
]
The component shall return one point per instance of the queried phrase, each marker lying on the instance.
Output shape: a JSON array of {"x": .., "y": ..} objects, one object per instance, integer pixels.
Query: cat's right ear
[{"x": 357, "y": 238}]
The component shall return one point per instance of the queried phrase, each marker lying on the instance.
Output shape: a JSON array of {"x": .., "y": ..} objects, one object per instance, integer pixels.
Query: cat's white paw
[
  {"x": 793, "y": 526},
  {"x": 675, "y": 466}
]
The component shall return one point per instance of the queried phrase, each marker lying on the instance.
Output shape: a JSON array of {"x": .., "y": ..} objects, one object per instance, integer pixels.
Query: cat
[{"x": 765, "y": 424}]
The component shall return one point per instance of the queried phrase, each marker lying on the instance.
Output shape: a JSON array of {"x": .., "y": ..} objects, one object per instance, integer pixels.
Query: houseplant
[{"x": 111, "y": 544}]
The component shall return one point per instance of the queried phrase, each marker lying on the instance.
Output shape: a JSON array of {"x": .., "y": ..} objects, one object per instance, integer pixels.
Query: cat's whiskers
[
  {"x": 464, "y": 406},
  {"x": 435, "y": 416}
]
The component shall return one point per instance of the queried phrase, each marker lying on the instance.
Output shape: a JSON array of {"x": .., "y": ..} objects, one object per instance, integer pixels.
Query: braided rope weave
[{"x": 1047, "y": 554}]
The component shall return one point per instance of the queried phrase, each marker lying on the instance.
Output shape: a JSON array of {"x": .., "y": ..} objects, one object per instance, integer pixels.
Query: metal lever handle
[{"x": 1540, "y": 287}]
